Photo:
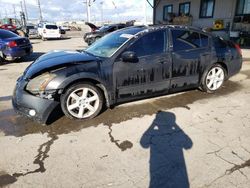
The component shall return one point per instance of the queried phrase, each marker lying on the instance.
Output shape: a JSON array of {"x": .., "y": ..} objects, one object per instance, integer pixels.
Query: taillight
[
  {"x": 238, "y": 49},
  {"x": 44, "y": 31},
  {"x": 12, "y": 44}
]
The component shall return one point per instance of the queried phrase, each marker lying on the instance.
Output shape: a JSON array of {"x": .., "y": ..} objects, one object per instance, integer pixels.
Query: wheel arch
[
  {"x": 223, "y": 64},
  {"x": 93, "y": 81}
]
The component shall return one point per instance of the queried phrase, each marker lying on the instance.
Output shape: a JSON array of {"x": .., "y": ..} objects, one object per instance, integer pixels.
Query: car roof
[{"x": 158, "y": 27}]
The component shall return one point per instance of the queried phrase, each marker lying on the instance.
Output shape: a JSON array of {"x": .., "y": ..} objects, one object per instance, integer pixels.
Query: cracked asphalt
[{"x": 188, "y": 139}]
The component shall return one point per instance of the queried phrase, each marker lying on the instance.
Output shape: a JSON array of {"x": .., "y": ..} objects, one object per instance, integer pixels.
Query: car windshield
[
  {"x": 51, "y": 27},
  {"x": 106, "y": 46},
  {"x": 7, "y": 34}
]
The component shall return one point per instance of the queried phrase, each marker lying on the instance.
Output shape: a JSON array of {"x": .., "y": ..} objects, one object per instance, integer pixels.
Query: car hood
[
  {"x": 57, "y": 59},
  {"x": 92, "y": 26}
]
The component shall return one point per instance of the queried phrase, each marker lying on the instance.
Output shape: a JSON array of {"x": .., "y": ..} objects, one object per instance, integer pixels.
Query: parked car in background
[
  {"x": 48, "y": 31},
  {"x": 32, "y": 31},
  {"x": 129, "y": 64},
  {"x": 97, "y": 33},
  {"x": 9, "y": 27},
  {"x": 62, "y": 31},
  {"x": 65, "y": 28},
  {"x": 13, "y": 46}
]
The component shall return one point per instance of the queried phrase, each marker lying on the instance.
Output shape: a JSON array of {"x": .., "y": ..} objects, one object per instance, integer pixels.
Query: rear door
[
  {"x": 191, "y": 53},
  {"x": 151, "y": 75}
]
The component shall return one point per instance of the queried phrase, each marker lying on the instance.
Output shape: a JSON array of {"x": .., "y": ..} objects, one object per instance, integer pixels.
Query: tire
[
  {"x": 75, "y": 106},
  {"x": 213, "y": 79},
  {"x": 1, "y": 58},
  {"x": 44, "y": 39}
]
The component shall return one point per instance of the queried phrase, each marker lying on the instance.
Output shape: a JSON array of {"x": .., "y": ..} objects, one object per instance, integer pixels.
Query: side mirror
[{"x": 130, "y": 57}]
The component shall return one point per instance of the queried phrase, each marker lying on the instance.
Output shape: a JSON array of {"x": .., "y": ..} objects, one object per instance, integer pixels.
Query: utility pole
[
  {"x": 6, "y": 14},
  {"x": 21, "y": 5},
  {"x": 14, "y": 11},
  {"x": 102, "y": 12},
  {"x": 40, "y": 10},
  {"x": 88, "y": 10},
  {"x": 25, "y": 9},
  {"x": 117, "y": 13},
  {"x": 88, "y": 5}
]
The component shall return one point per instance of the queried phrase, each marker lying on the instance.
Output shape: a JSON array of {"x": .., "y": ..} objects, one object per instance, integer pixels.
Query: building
[{"x": 235, "y": 14}]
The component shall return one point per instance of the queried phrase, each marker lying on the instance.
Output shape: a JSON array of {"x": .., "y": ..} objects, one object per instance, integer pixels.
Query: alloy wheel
[
  {"x": 215, "y": 78},
  {"x": 82, "y": 103}
]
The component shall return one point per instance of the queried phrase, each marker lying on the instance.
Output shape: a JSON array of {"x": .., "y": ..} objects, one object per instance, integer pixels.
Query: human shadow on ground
[{"x": 166, "y": 141}]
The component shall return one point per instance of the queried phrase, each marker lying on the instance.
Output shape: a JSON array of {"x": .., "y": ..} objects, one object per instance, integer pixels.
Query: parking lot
[{"x": 129, "y": 146}]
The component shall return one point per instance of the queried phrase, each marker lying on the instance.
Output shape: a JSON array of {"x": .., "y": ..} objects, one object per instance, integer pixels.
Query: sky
[{"x": 58, "y": 10}]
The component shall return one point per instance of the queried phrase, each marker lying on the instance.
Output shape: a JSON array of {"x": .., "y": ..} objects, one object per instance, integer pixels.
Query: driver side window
[{"x": 150, "y": 44}]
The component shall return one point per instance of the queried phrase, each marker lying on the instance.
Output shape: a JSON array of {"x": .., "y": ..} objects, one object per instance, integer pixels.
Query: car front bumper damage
[{"x": 33, "y": 107}]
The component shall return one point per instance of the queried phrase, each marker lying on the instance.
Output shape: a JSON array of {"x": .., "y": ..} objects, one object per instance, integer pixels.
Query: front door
[{"x": 151, "y": 74}]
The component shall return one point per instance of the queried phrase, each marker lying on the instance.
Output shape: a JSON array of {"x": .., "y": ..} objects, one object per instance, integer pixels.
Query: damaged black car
[
  {"x": 98, "y": 32},
  {"x": 126, "y": 65}
]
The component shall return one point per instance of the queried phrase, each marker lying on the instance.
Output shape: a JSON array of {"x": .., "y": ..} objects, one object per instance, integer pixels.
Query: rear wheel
[
  {"x": 213, "y": 79},
  {"x": 82, "y": 101},
  {"x": 43, "y": 38}
]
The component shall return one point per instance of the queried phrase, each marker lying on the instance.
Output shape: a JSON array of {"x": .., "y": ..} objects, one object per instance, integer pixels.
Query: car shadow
[
  {"x": 166, "y": 141},
  {"x": 31, "y": 57},
  {"x": 63, "y": 38},
  {"x": 5, "y": 98}
]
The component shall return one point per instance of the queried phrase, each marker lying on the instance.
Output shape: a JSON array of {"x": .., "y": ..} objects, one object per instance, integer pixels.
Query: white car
[{"x": 48, "y": 31}]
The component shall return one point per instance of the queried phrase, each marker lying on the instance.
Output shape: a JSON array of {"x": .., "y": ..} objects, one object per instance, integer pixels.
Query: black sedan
[
  {"x": 126, "y": 65},
  {"x": 98, "y": 33}
]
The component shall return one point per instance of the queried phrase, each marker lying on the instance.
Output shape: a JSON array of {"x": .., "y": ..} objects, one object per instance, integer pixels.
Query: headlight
[
  {"x": 89, "y": 36},
  {"x": 39, "y": 83}
]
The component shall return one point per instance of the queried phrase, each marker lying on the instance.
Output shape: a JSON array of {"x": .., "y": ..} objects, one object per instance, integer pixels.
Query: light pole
[
  {"x": 88, "y": 10},
  {"x": 102, "y": 12},
  {"x": 25, "y": 9},
  {"x": 40, "y": 10}
]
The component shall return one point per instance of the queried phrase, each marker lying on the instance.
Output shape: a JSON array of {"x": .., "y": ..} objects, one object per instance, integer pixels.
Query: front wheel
[
  {"x": 213, "y": 79},
  {"x": 82, "y": 101}
]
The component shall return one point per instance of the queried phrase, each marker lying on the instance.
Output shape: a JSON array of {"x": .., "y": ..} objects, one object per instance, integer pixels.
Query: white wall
[{"x": 224, "y": 9}]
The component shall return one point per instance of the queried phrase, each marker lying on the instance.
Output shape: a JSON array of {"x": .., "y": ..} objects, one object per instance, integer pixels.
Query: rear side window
[
  {"x": 187, "y": 40},
  {"x": 218, "y": 43},
  {"x": 149, "y": 44},
  {"x": 51, "y": 27},
  {"x": 7, "y": 34},
  {"x": 112, "y": 29}
]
